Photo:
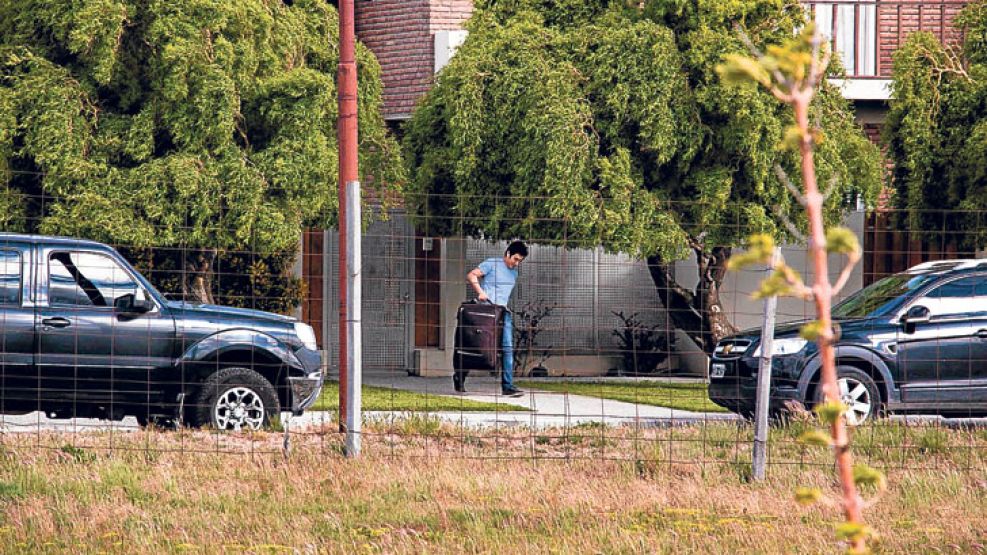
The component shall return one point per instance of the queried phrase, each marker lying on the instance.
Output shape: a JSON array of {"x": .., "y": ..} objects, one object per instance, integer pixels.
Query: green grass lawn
[
  {"x": 385, "y": 398},
  {"x": 682, "y": 396},
  {"x": 444, "y": 490}
]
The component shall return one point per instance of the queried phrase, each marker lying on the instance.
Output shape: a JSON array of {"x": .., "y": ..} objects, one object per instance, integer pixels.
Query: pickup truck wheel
[{"x": 235, "y": 399}]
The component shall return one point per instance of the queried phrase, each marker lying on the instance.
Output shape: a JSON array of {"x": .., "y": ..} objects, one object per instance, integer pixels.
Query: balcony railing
[{"x": 867, "y": 32}]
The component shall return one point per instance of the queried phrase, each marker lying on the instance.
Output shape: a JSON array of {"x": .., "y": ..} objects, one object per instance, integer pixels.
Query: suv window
[
  {"x": 10, "y": 277},
  {"x": 960, "y": 296},
  {"x": 87, "y": 279},
  {"x": 881, "y": 297}
]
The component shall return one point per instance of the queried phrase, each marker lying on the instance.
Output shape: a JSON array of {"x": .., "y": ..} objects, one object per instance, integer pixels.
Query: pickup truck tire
[{"x": 234, "y": 399}]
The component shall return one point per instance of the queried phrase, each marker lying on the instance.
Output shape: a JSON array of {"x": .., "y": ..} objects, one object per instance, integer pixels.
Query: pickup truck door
[
  {"x": 87, "y": 350},
  {"x": 19, "y": 389}
]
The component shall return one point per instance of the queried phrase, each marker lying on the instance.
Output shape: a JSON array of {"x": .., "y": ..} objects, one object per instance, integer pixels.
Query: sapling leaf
[
  {"x": 807, "y": 496},
  {"x": 774, "y": 286},
  {"x": 830, "y": 411},
  {"x": 739, "y": 69},
  {"x": 816, "y": 438},
  {"x": 864, "y": 475},
  {"x": 811, "y": 331},
  {"x": 759, "y": 250},
  {"x": 792, "y": 139},
  {"x": 841, "y": 240},
  {"x": 852, "y": 531}
]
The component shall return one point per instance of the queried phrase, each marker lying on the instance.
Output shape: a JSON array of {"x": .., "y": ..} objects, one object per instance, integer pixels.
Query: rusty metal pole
[{"x": 346, "y": 126}]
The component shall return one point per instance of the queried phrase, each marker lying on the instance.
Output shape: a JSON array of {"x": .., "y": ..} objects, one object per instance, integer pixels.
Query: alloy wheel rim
[
  {"x": 856, "y": 397},
  {"x": 238, "y": 408}
]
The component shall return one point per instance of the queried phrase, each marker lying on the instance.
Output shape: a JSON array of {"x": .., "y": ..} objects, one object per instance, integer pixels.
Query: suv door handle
[
  {"x": 60, "y": 322},
  {"x": 982, "y": 334}
]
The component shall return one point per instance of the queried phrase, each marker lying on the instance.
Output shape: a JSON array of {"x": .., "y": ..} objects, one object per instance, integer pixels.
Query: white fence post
[
  {"x": 760, "y": 456},
  {"x": 354, "y": 235}
]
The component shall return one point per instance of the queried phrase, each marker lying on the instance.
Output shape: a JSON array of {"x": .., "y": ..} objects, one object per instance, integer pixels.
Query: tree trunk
[
  {"x": 698, "y": 313},
  {"x": 197, "y": 276}
]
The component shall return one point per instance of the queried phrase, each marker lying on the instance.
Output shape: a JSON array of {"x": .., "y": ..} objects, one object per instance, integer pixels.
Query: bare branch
[
  {"x": 747, "y": 41},
  {"x": 779, "y": 77},
  {"x": 819, "y": 71},
  {"x": 813, "y": 67},
  {"x": 783, "y": 177},
  {"x": 803, "y": 292},
  {"x": 817, "y": 67},
  {"x": 780, "y": 95},
  {"x": 789, "y": 224},
  {"x": 830, "y": 186},
  {"x": 799, "y": 290},
  {"x": 841, "y": 282}
]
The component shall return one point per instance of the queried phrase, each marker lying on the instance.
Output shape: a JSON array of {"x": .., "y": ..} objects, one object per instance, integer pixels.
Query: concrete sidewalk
[{"x": 546, "y": 409}]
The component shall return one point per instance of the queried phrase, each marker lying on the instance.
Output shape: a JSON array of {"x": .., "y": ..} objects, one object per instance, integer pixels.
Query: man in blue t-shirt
[{"x": 493, "y": 280}]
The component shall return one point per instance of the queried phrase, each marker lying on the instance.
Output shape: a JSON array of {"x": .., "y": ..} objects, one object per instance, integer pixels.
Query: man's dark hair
[{"x": 517, "y": 247}]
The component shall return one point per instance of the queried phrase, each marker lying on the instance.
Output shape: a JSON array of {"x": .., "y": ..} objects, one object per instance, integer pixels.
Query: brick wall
[
  {"x": 400, "y": 34},
  {"x": 873, "y": 132},
  {"x": 449, "y": 15},
  {"x": 897, "y": 20}
]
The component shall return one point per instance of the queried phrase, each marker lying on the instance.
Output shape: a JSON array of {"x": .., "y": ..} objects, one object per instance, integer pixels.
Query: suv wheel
[
  {"x": 235, "y": 399},
  {"x": 859, "y": 392}
]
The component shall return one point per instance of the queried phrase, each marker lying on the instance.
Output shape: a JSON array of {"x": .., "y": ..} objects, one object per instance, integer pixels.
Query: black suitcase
[{"x": 479, "y": 329}]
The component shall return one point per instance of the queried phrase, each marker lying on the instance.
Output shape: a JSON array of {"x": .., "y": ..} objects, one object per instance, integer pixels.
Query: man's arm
[{"x": 473, "y": 278}]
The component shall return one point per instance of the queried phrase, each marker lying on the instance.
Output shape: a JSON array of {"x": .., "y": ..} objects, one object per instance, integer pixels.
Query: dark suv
[
  {"x": 84, "y": 334},
  {"x": 911, "y": 342}
]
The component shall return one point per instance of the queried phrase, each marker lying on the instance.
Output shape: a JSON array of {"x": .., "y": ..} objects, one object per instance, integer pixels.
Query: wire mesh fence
[{"x": 208, "y": 348}]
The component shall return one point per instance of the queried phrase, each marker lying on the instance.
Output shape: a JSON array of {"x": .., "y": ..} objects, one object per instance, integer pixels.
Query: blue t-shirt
[{"x": 498, "y": 280}]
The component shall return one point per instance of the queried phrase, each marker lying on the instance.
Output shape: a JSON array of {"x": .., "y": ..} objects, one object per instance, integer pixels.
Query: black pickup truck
[{"x": 86, "y": 335}]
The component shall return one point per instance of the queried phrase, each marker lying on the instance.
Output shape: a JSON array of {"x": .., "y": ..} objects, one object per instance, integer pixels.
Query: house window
[{"x": 851, "y": 27}]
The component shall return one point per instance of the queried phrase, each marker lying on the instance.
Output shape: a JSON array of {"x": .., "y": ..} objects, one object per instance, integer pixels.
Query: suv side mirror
[
  {"x": 916, "y": 315},
  {"x": 129, "y": 304}
]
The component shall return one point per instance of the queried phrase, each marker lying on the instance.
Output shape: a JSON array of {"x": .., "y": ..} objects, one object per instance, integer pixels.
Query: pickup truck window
[
  {"x": 10, "y": 277},
  {"x": 87, "y": 279}
]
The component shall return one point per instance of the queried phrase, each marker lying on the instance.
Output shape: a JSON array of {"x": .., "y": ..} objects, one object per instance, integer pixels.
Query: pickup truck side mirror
[
  {"x": 129, "y": 304},
  {"x": 916, "y": 315}
]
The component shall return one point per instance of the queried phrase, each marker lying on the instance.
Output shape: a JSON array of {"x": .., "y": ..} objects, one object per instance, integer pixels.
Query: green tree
[
  {"x": 936, "y": 131},
  {"x": 207, "y": 125},
  {"x": 584, "y": 123}
]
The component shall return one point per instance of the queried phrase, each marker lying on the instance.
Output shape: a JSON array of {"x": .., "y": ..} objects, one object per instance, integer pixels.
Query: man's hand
[{"x": 483, "y": 298}]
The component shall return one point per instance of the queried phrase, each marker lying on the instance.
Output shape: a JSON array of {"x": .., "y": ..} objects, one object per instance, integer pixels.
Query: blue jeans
[{"x": 507, "y": 348}]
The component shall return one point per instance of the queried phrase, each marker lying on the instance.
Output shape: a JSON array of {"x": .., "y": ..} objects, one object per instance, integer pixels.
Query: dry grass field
[{"x": 426, "y": 487}]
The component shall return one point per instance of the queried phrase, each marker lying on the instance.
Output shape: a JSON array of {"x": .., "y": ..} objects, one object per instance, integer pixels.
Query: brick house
[
  {"x": 414, "y": 284},
  {"x": 412, "y": 39}
]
